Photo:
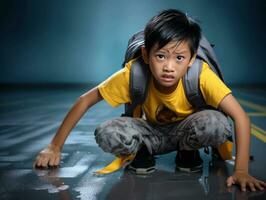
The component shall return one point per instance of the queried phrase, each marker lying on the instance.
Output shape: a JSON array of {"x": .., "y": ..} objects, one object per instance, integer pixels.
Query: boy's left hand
[{"x": 244, "y": 180}]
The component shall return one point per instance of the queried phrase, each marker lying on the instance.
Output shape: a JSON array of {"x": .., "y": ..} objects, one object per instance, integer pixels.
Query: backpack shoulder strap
[
  {"x": 138, "y": 85},
  {"x": 134, "y": 46},
  {"x": 191, "y": 85},
  {"x": 206, "y": 53},
  {"x": 191, "y": 79}
]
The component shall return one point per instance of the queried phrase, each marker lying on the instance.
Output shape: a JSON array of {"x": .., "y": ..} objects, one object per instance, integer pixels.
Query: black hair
[{"x": 172, "y": 25}]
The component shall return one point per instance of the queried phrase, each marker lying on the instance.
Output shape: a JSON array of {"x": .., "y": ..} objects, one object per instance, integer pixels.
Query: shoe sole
[
  {"x": 142, "y": 171},
  {"x": 194, "y": 169}
]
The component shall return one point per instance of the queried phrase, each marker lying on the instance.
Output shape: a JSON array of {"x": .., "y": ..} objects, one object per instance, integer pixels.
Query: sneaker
[
  {"x": 143, "y": 163},
  {"x": 215, "y": 155},
  {"x": 188, "y": 161}
]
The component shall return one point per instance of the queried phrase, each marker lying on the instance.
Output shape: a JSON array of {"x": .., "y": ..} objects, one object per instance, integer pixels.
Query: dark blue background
[{"x": 67, "y": 41}]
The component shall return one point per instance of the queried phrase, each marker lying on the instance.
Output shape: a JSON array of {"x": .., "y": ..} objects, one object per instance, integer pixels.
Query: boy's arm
[
  {"x": 50, "y": 156},
  {"x": 242, "y": 130}
]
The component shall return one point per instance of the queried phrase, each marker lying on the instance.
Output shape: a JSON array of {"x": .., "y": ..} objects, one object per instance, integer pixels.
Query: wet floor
[{"x": 29, "y": 118}]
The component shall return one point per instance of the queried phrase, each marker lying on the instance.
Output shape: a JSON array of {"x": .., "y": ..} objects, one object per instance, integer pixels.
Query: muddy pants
[{"x": 125, "y": 135}]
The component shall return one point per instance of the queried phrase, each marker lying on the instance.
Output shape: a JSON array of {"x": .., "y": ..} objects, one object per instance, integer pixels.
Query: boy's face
[{"x": 168, "y": 64}]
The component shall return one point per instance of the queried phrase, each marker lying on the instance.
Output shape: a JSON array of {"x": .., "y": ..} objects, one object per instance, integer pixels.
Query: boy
[{"x": 169, "y": 122}]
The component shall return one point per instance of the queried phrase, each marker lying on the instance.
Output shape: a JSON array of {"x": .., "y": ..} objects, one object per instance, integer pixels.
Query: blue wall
[{"x": 66, "y": 41}]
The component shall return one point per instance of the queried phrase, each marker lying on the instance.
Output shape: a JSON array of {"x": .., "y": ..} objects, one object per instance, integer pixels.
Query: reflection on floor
[{"x": 30, "y": 117}]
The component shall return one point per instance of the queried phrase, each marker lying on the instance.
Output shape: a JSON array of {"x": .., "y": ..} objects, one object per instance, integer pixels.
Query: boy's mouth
[{"x": 167, "y": 77}]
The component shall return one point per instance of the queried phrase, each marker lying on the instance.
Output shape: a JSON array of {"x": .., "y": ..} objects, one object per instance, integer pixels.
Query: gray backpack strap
[
  {"x": 192, "y": 77},
  {"x": 133, "y": 48},
  {"x": 206, "y": 53},
  {"x": 139, "y": 80},
  {"x": 192, "y": 87}
]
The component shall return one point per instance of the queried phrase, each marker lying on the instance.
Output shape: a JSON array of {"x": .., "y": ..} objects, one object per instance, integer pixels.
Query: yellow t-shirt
[{"x": 163, "y": 108}]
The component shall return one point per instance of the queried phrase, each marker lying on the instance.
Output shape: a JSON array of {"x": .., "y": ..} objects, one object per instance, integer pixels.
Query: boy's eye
[
  {"x": 180, "y": 58},
  {"x": 160, "y": 56}
]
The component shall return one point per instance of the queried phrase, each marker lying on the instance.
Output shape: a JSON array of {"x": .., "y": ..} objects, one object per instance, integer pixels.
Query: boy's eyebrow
[
  {"x": 176, "y": 52},
  {"x": 181, "y": 51}
]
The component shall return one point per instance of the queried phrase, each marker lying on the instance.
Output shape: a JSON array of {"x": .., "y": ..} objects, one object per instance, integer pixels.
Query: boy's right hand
[{"x": 48, "y": 157}]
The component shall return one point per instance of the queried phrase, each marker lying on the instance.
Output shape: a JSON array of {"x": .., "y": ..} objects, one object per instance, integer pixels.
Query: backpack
[{"x": 140, "y": 76}]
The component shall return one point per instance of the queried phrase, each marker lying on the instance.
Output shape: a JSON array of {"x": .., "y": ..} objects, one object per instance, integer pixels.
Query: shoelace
[{"x": 116, "y": 164}]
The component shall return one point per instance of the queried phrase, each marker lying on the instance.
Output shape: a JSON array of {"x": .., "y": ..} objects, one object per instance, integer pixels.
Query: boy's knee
[
  {"x": 212, "y": 128},
  {"x": 114, "y": 136},
  {"x": 210, "y": 120}
]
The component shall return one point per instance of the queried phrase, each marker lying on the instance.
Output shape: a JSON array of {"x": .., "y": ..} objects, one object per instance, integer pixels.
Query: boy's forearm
[
  {"x": 242, "y": 130},
  {"x": 71, "y": 119},
  {"x": 76, "y": 112}
]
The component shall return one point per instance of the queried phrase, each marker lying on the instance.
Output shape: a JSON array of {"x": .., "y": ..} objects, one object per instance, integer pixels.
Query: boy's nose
[{"x": 168, "y": 67}]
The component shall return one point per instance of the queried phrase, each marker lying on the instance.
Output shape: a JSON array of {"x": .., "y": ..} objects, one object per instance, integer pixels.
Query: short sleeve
[{"x": 115, "y": 89}]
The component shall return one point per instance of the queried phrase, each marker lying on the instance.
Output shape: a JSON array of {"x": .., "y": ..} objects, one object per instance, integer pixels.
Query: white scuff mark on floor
[
  {"x": 89, "y": 188},
  {"x": 52, "y": 188}
]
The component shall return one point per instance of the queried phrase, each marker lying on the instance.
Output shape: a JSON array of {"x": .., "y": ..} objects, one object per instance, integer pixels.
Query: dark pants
[{"x": 124, "y": 135}]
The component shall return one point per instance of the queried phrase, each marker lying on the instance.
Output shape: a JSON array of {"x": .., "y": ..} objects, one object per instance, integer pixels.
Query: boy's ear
[
  {"x": 144, "y": 55},
  {"x": 192, "y": 60}
]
